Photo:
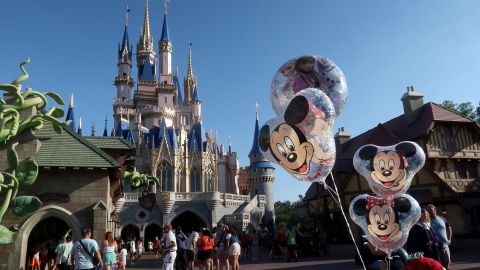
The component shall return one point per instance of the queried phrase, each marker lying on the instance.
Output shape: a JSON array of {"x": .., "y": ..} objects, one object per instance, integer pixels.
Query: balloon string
[
  {"x": 346, "y": 220},
  {"x": 332, "y": 192},
  {"x": 388, "y": 260}
]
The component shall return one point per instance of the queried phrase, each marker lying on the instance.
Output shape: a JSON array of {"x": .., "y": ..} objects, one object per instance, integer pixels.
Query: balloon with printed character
[
  {"x": 386, "y": 222},
  {"x": 308, "y": 71},
  {"x": 301, "y": 139},
  {"x": 389, "y": 169}
]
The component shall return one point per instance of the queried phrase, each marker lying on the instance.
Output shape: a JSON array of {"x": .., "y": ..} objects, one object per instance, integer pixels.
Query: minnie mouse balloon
[
  {"x": 386, "y": 222},
  {"x": 389, "y": 169},
  {"x": 309, "y": 71},
  {"x": 301, "y": 139}
]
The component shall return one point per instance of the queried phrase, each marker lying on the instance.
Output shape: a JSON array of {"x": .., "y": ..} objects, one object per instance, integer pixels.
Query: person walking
[
  {"x": 156, "y": 247},
  {"x": 133, "y": 250},
  {"x": 139, "y": 248},
  {"x": 84, "y": 251},
  {"x": 190, "y": 248},
  {"x": 222, "y": 248},
  {"x": 234, "y": 249},
  {"x": 181, "y": 238},
  {"x": 170, "y": 248},
  {"x": 444, "y": 234},
  {"x": 205, "y": 249},
  {"x": 64, "y": 252},
  {"x": 291, "y": 244},
  {"x": 123, "y": 257},
  {"x": 422, "y": 238},
  {"x": 109, "y": 247}
]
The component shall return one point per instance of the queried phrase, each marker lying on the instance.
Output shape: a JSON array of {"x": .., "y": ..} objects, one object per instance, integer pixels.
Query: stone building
[{"x": 449, "y": 179}]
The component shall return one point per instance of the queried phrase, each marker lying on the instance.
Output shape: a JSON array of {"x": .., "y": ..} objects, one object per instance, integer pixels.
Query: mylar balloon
[
  {"x": 301, "y": 140},
  {"x": 389, "y": 169},
  {"x": 385, "y": 222},
  {"x": 309, "y": 71}
]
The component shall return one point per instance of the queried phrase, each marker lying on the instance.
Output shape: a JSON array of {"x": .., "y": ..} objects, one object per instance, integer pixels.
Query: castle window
[
  {"x": 165, "y": 175},
  {"x": 195, "y": 178},
  {"x": 180, "y": 178}
]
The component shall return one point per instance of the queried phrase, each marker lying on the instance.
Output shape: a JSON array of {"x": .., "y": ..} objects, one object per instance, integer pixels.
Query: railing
[
  {"x": 131, "y": 197},
  {"x": 189, "y": 196}
]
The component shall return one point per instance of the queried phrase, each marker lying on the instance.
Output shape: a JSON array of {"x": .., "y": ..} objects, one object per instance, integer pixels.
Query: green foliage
[
  {"x": 466, "y": 109},
  {"x": 22, "y": 172},
  {"x": 136, "y": 179},
  {"x": 286, "y": 212}
]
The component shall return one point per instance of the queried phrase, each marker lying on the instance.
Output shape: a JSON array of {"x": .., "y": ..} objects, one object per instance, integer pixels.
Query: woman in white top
[
  {"x": 109, "y": 256},
  {"x": 140, "y": 247},
  {"x": 123, "y": 257}
]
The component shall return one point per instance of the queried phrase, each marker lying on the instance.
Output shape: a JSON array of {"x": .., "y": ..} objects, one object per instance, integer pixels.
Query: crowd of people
[{"x": 223, "y": 248}]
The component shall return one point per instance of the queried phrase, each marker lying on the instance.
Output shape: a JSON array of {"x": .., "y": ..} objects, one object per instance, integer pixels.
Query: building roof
[
  {"x": 109, "y": 142},
  {"x": 195, "y": 95},
  {"x": 146, "y": 72},
  {"x": 398, "y": 129},
  {"x": 391, "y": 132},
  {"x": 179, "y": 91},
  {"x": 125, "y": 42},
  {"x": 69, "y": 150}
]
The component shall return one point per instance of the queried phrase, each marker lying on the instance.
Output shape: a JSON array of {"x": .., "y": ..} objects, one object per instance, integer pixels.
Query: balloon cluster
[
  {"x": 307, "y": 94},
  {"x": 387, "y": 218}
]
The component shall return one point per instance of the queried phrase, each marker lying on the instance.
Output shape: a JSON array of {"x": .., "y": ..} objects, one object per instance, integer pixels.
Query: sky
[{"x": 381, "y": 46}]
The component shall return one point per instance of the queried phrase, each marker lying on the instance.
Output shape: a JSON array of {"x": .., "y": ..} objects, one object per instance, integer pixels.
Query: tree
[
  {"x": 466, "y": 109},
  {"x": 287, "y": 212}
]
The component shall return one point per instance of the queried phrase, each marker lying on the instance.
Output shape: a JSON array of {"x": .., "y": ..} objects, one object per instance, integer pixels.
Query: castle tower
[
  {"x": 189, "y": 82},
  {"x": 165, "y": 52},
  {"x": 261, "y": 175},
  {"x": 124, "y": 81},
  {"x": 145, "y": 51}
]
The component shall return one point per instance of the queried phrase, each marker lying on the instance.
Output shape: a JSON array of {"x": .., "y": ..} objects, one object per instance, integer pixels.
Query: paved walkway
[{"x": 463, "y": 261}]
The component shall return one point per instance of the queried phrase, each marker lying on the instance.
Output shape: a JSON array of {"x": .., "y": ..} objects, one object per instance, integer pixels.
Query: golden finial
[{"x": 257, "y": 108}]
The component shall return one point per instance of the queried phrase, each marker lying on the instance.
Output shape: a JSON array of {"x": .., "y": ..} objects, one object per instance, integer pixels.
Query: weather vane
[
  {"x": 165, "y": 5},
  {"x": 257, "y": 107}
]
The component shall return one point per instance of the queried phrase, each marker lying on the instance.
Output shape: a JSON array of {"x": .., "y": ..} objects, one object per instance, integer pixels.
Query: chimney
[
  {"x": 341, "y": 138},
  {"x": 411, "y": 100}
]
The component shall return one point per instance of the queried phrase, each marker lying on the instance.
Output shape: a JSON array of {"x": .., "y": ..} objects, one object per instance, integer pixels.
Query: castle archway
[
  {"x": 130, "y": 231},
  {"x": 189, "y": 221},
  {"x": 48, "y": 222},
  {"x": 151, "y": 231}
]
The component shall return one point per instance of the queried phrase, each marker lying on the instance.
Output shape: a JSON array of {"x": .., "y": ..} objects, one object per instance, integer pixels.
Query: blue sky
[{"x": 381, "y": 46}]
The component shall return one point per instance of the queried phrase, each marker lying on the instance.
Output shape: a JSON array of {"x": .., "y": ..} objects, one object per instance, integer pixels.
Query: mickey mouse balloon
[
  {"x": 385, "y": 222},
  {"x": 308, "y": 71},
  {"x": 301, "y": 139},
  {"x": 389, "y": 169}
]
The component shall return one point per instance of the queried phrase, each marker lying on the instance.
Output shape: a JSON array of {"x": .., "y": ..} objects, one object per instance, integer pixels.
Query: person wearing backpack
[
  {"x": 85, "y": 252},
  {"x": 205, "y": 249},
  {"x": 64, "y": 251},
  {"x": 291, "y": 244}
]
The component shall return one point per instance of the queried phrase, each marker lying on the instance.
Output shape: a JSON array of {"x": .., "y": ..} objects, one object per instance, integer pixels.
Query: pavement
[{"x": 465, "y": 260}]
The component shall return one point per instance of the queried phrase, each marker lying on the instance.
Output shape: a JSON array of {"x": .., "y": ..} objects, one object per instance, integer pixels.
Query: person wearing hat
[
  {"x": 64, "y": 252},
  {"x": 170, "y": 248},
  {"x": 84, "y": 251}
]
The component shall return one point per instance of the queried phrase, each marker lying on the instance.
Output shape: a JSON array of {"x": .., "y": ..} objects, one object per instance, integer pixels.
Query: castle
[{"x": 199, "y": 179}]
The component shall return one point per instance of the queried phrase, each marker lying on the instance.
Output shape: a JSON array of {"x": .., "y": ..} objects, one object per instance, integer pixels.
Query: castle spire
[
  {"x": 92, "y": 129},
  {"x": 165, "y": 35},
  {"x": 105, "y": 131},
  {"x": 70, "y": 115},
  {"x": 189, "y": 82},
  {"x": 255, "y": 154},
  {"x": 145, "y": 43},
  {"x": 125, "y": 48},
  {"x": 189, "y": 69}
]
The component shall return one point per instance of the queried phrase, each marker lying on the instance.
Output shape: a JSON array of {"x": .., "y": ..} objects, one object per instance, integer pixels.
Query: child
[{"x": 123, "y": 258}]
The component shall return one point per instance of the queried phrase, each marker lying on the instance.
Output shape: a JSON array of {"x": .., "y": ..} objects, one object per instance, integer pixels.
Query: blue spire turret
[
  {"x": 179, "y": 91},
  {"x": 255, "y": 155},
  {"x": 119, "y": 129},
  {"x": 70, "y": 116},
  {"x": 146, "y": 72},
  {"x": 195, "y": 95},
  {"x": 125, "y": 42},
  {"x": 165, "y": 35}
]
